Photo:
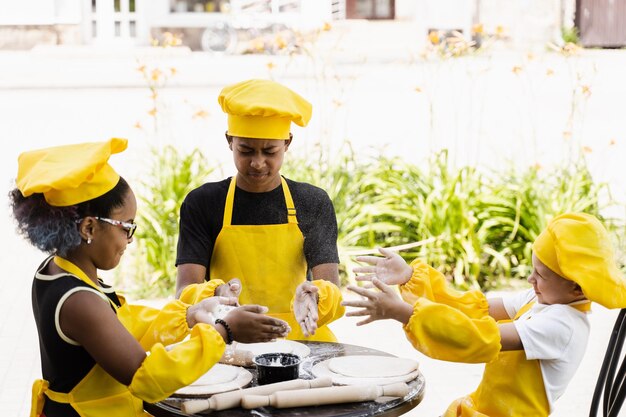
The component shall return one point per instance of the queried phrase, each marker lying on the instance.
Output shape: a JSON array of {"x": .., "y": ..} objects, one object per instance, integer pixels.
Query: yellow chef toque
[
  {"x": 577, "y": 247},
  {"x": 70, "y": 174},
  {"x": 263, "y": 109}
]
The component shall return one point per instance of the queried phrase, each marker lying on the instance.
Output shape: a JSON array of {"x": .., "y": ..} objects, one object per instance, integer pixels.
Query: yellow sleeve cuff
[
  {"x": 429, "y": 283},
  {"x": 442, "y": 332},
  {"x": 329, "y": 306},
  {"x": 194, "y": 293}
]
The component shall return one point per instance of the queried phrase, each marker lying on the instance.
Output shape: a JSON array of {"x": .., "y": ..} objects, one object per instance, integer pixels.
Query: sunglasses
[{"x": 127, "y": 226}]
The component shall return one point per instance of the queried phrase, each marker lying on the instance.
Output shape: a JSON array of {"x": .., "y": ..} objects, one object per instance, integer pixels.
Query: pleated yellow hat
[
  {"x": 263, "y": 109},
  {"x": 69, "y": 174},
  {"x": 578, "y": 247}
]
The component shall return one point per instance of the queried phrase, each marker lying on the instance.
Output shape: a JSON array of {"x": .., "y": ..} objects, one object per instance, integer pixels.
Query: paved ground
[{"x": 71, "y": 95}]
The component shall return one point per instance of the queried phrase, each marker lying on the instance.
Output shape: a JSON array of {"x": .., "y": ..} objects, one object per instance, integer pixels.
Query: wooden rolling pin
[
  {"x": 237, "y": 357},
  {"x": 329, "y": 395},
  {"x": 232, "y": 399}
]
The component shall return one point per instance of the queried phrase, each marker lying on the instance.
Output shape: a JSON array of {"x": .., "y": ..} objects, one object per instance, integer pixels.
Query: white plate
[
  {"x": 238, "y": 377},
  {"x": 321, "y": 369}
]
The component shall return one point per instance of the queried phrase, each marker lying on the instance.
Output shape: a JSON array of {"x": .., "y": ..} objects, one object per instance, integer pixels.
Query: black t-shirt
[{"x": 202, "y": 215}]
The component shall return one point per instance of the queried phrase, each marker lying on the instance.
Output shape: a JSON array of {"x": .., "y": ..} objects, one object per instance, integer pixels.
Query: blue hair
[{"x": 54, "y": 229}]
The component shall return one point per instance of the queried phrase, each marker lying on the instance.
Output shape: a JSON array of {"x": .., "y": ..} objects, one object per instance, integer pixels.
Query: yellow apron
[
  {"x": 526, "y": 398},
  {"x": 98, "y": 394},
  {"x": 269, "y": 261}
]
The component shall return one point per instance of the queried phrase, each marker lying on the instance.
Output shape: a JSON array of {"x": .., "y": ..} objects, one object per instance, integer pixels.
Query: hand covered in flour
[
  {"x": 378, "y": 305},
  {"x": 249, "y": 324},
  {"x": 231, "y": 289},
  {"x": 390, "y": 268},
  {"x": 204, "y": 311},
  {"x": 305, "y": 307}
]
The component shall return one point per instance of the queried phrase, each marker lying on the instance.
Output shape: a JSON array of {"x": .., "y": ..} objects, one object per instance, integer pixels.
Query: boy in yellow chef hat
[
  {"x": 258, "y": 231},
  {"x": 532, "y": 342},
  {"x": 70, "y": 203}
]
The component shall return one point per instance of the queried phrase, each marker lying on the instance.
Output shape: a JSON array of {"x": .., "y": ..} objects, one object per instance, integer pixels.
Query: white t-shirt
[{"x": 555, "y": 334}]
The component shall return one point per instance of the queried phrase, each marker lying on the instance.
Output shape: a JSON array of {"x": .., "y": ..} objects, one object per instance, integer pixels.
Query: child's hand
[
  {"x": 204, "y": 311},
  {"x": 391, "y": 269},
  {"x": 249, "y": 324},
  {"x": 231, "y": 289},
  {"x": 305, "y": 307},
  {"x": 379, "y": 305}
]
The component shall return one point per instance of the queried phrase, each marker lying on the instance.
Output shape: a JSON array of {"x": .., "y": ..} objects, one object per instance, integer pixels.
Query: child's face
[
  {"x": 258, "y": 162},
  {"x": 550, "y": 287}
]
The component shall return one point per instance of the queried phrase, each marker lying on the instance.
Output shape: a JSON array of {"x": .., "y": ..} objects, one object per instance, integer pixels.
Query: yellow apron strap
[
  {"x": 40, "y": 386},
  {"x": 40, "y": 392},
  {"x": 291, "y": 208},
  {"x": 77, "y": 272},
  {"x": 230, "y": 198}
]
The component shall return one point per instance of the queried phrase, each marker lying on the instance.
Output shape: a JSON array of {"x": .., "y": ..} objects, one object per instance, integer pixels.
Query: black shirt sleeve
[
  {"x": 318, "y": 223},
  {"x": 201, "y": 216}
]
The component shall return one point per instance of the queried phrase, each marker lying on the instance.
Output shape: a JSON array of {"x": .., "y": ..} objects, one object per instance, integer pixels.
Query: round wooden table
[{"x": 319, "y": 351}]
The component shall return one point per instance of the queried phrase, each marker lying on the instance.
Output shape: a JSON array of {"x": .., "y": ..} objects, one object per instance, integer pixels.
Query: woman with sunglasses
[{"x": 101, "y": 356}]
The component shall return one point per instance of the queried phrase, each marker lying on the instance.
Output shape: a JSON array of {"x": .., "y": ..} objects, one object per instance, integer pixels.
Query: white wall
[{"x": 39, "y": 12}]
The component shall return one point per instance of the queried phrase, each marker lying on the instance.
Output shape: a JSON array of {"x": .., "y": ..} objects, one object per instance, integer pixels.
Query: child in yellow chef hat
[
  {"x": 70, "y": 203},
  {"x": 266, "y": 233},
  {"x": 532, "y": 342}
]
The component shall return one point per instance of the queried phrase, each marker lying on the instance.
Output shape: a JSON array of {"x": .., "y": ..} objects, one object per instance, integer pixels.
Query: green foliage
[
  {"x": 477, "y": 228},
  {"x": 172, "y": 176},
  {"x": 570, "y": 35}
]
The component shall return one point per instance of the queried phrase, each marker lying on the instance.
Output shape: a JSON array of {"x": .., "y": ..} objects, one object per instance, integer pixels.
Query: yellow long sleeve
[
  {"x": 150, "y": 325},
  {"x": 443, "y": 332},
  {"x": 163, "y": 372},
  {"x": 431, "y": 284},
  {"x": 194, "y": 293},
  {"x": 329, "y": 306}
]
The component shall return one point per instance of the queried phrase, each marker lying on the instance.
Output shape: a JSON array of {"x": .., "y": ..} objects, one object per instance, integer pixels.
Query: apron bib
[
  {"x": 268, "y": 259},
  {"x": 526, "y": 398},
  {"x": 98, "y": 394}
]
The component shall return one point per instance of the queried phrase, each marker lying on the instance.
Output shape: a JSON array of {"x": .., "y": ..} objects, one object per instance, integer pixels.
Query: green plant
[
  {"x": 570, "y": 34},
  {"x": 171, "y": 177}
]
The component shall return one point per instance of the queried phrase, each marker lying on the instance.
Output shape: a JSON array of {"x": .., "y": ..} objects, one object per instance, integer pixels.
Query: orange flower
[
  {"x": 327, "y": 26},
  {"x": 586, "y": 90},
  {"x": 173, "y": 71},
  {"x": 156, "y": 74},
  {"x": 153, "y": 112},
  {"x": 141, "y": 68},
  {"x": 587, "y": 149},
  {"x": 549, "y": 72},
  {"x": 138, "y": 125},
  {"x": 516, "y": 69},
  {"x": 612, "y": 142},
  {"x": 478, "y": 29},
  {"x": 270, "y": 65},
  {"x": 418, "y": 89},
  {"x": 500, "y": 31},
  {"x": 201, "y": 114}
]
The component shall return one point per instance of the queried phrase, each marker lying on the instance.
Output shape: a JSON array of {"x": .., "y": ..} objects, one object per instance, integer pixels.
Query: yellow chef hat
[
  {"x": 70, "y": 174},
  {"x": 263, "y": 109},
  {"x": 577, "y": 247}
]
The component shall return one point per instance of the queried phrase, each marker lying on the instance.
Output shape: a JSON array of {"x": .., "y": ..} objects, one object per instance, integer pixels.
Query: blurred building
[{"x": 26, "y": 23}]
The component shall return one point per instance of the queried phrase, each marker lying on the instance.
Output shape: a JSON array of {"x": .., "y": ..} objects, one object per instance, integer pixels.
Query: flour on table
[{"x": 371, "y": 366}]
